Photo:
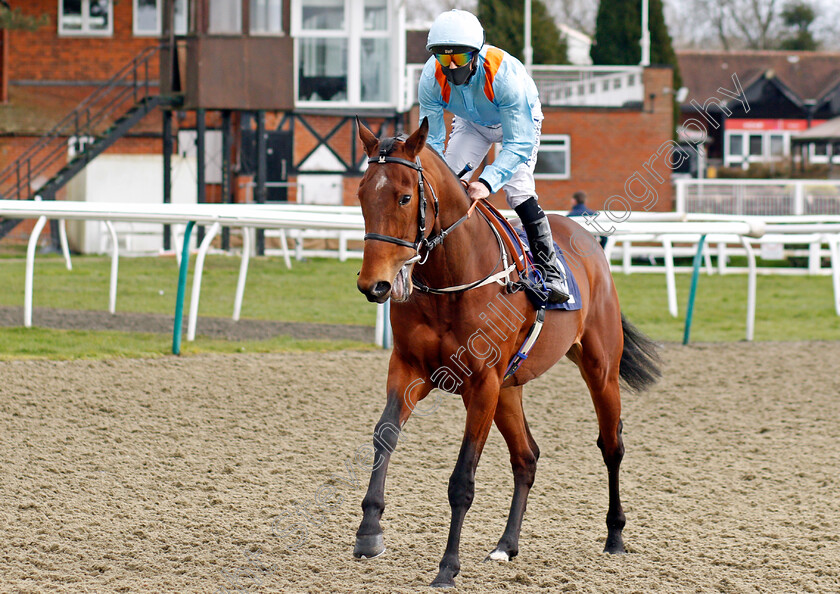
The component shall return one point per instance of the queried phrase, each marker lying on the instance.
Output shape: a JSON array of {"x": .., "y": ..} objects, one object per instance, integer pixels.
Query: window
[
  {"x": 344, "y": 51},
  {"x": 736, "y": 145},
  {"x": 225, "y": 17},
  {"x": 85, "y": 17},
  {"x": 777, "y": 145},
  {"x": 554, "y": 158},
  {"x": 756, "y": 141},
  {"x": 148, "y": 17},
  {"x": 266, "y": 17}
]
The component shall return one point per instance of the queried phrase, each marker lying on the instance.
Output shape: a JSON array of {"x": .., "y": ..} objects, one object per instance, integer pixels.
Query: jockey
[{"x": 493, "y": 99}]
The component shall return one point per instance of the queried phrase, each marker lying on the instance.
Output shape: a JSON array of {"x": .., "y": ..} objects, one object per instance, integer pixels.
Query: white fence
[
  {"x": 596, "y": 86},
  {"x": 758, "y": 197},
  {"x": 657, "y": 228},
  {"x": 573, "y": 86}
]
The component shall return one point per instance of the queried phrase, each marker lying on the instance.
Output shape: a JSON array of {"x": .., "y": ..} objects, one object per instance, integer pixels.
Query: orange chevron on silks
[
  {"x": 440, "y": 77},
  {"x": 492, "y": 61}
]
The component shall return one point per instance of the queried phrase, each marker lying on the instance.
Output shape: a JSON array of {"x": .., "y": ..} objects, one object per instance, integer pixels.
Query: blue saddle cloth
[{"x": 570, "y": 285}]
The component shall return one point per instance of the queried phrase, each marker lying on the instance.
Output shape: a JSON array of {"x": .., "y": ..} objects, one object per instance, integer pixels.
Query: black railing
[{"x": 88, "y": 122}]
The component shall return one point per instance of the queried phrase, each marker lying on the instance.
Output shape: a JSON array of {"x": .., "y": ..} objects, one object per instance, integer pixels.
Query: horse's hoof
[
  {"x": 615, "y": 545},
  {"x": 498, "y": 555},
  {"x": 443, "y": 583},
  {"x": 369, "y": 546}
]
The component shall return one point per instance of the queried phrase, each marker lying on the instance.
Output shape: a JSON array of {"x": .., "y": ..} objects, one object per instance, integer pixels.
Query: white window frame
[
  {"x": 813, "y": 157},
  {"x": 353, "y": 31},
  {"x": 159, "y": 29},
  {"x": 556, "y": 143},
  {"x": 743, "y": 160},
  {"x": 279, "y": 33},
  {"x": 235, "y": 31},
  {"x": 85, "y": 30}
]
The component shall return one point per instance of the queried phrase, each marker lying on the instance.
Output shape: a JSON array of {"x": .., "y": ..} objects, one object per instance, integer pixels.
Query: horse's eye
[{"x": 405, "y": 199}]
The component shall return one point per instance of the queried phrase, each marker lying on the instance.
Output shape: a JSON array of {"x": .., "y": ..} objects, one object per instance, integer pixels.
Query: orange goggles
[{"x": 458, "y": 59}]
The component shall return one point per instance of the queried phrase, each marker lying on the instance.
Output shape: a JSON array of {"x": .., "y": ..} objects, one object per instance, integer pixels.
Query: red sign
[{"x": 762, "y": 125}]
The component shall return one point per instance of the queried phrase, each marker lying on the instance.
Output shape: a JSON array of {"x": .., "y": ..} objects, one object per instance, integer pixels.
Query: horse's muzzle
[{"x": 378, "y": 293}]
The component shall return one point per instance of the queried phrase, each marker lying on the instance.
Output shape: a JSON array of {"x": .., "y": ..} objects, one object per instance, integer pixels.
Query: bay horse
[{"x": 419, "y": 242}]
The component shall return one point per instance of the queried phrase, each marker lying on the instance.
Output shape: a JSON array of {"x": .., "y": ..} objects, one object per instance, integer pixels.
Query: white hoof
[{"x": 498, "y": 555}]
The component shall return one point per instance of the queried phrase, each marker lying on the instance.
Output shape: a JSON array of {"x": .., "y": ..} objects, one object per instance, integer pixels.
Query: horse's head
[{"x": 393, "y": 196}]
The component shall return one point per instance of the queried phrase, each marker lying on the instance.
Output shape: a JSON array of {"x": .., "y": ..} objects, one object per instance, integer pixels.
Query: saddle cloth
[{"x": 570, "y": 285}]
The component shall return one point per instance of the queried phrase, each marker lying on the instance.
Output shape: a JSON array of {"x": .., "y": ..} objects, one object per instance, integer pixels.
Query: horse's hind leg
[
  {"x": 599, "y": 368},
  {"x": 524, "y": 453}
]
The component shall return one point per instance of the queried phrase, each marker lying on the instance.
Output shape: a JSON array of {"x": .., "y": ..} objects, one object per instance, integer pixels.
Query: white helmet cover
[{"x": 456, "y": 28}]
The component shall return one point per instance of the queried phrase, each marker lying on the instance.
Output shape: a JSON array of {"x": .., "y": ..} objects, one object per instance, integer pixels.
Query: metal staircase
[{"x": 94, "y": 125}]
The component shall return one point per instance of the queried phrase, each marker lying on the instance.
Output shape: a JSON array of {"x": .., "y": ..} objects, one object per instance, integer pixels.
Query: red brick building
[{"x": 301, "y": 71}]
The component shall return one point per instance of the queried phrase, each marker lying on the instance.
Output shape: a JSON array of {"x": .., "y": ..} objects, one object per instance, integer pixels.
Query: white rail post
[
  {"x": 814, "y": 263},
  {"x": 379, "y": 331},
  {"x": 751, "y": 286},
  {"x": 834, "y": 247},
  {"x": 680, "y": 198},
  {"x": 799, "y": 198},
  {"x": 115, "y": 263},
  {"x": 65, "y": 248},
  {"x": 670, "y": 278},
  {"x": 626, "y": 262},
  {"x": 196, "y": 287},
  {"x": 30, "y": 271},
  {"x": 722, "y": 258},
  {"x": 243, "y": 273}
]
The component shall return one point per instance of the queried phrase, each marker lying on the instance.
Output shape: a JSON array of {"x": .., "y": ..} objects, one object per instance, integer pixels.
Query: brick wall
[
  {"x": 609, "y": 150},
  {"x": 44, "y": 55}
]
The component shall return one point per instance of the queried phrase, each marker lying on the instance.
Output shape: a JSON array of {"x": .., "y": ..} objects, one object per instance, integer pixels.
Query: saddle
[{"x": 515, "y": 241}]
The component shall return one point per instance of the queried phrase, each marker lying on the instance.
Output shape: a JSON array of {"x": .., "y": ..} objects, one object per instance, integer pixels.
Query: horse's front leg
[
  {"x": 405, "y": 389},
  {"x": 481, "y": 407}
]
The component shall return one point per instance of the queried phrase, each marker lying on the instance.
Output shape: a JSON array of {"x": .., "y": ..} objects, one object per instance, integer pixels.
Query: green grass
[
  {"x": 319, "y": 291},
  {"x": 324, "y": 291},
  {"x": 788, "y": 308}
]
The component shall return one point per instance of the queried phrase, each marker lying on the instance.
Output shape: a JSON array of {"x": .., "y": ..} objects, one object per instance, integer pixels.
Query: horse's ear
[
  {"x": 415, "y": 143},
  {"x": 370, "y": 140}
]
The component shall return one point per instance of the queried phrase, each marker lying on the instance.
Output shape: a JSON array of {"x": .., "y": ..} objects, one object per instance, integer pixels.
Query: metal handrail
[{"x": 130, "y": 84}]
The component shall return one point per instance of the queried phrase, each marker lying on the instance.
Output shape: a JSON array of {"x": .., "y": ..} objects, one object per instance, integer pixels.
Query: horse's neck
[{"x": 468, "y": 253}]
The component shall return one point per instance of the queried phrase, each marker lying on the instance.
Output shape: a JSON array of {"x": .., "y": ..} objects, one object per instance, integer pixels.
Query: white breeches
[{"x": 469, "y": 143}]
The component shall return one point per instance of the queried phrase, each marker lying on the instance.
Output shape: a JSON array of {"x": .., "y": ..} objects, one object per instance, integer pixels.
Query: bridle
[
  {"x": 421, "y": 241},
  {"x": 432, "y": 241}
]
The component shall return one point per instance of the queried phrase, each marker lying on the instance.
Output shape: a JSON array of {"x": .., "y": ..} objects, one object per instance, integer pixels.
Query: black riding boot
[{"x": 542, "y": 247}]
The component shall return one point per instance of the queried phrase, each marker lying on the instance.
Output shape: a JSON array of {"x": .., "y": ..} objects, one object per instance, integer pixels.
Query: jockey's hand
[{"x": 477, "y": 191}]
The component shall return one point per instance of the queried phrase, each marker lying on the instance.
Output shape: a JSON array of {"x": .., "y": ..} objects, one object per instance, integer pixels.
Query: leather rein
[{"x": 431, "y": 242}]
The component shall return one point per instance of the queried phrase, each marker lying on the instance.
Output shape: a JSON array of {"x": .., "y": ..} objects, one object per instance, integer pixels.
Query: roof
[
  {"x": 829, "y": 131},
  {"x": 808, "y": 75}
]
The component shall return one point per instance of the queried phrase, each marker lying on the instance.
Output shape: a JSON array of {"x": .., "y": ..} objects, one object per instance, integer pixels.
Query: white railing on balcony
[
  {"x": 572, "y": 86},
  {"x": 762, "y": 197},
  {"x": 592, "y": 86}
]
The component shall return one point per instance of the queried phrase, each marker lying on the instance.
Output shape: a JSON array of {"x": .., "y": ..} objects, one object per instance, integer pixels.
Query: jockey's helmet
[{"x": 455, "y": 38}]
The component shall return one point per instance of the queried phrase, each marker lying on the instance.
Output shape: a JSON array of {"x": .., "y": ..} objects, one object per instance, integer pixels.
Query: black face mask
[{"x": 460, "y": 76}]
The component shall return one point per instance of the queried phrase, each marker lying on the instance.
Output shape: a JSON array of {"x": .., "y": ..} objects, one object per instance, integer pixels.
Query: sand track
[{"x": 156, "y": 475}]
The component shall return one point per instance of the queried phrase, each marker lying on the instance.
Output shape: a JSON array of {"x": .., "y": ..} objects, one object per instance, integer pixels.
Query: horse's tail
[{"x": 640, "y": 360}]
